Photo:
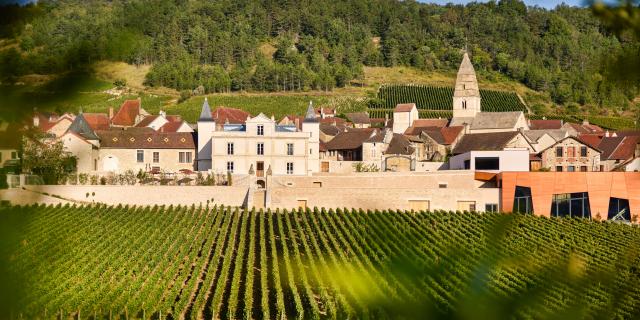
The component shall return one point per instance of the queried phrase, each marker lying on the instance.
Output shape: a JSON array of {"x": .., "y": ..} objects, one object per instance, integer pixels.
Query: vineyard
[
  {"x": 228, "y": 263},
  {"x": 612, "y": 123},
  {"x": 440, "y": 98}
]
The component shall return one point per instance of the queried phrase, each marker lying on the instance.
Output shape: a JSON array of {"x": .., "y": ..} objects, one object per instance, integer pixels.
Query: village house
[
  {"x": 403, "y": 117},
  {"x": 571, "y": 154},
  {"x": 433, "y": 143},
  {"x": 575, "y": 129},
  {"x": 541, "y": 139},
  {"x": 359, "y": 119},
  {"x": 52, "y": 124},
  {"x": 258, "y": 146},
  {"x": 508, "y": 151}
]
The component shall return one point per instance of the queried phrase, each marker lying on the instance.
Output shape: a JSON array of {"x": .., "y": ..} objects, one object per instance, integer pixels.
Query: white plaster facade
[
  {"x": 404, "y": 119},
  {"x": 509, "y": 159}
]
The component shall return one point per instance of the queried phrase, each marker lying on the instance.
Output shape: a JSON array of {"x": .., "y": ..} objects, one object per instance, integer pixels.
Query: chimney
[
  {"x": 544, "y": 117},
  {"x": 614, "y": 134},
  {"x": 36, "y": 121},
  {"x": 585, "y": 122},
  {"x": 163, "y": 114},
  {"x": 110, "y": 112},
  {"x": 606, "y": 133},
  {"x": 297, "y": 122}
]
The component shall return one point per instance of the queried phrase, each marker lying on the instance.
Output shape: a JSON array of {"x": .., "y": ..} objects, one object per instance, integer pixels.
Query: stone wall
[
  {"x": 446, "y": 191},
  {"x": 142, "y": 195}
]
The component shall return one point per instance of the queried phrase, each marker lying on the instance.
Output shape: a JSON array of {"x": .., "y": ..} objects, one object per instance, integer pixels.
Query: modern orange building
[{"x": 607, "y": 195}]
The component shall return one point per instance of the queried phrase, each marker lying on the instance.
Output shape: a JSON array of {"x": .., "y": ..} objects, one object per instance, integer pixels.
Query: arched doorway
[
  {"x": 261, "y": 184},
  {"x": 399, "y": 164},
  {"x": 110, "y": 163}
]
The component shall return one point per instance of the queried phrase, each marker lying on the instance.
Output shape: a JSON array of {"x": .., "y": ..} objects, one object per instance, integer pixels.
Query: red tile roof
[
  {"x": 592, "y": 139},
  {"x": 234, "y": 116},
  {"x": 545, "y": 124},
  {"x": 126, "y": 115},
  {"x": 97, "y": 121},
  {"x": 440, "y": 123},
  {"x": 618, "y": 148},
  {"x": 404, "y": 107},
  {"x": 445, "y": 136},
  {"x": 171, "y": 126},
  {"x": 326, "y": 110}
]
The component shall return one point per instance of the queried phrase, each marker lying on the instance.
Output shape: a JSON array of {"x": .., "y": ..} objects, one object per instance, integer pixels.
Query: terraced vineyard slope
[
  {"x": 439, "y": 98},
  {"x": 228, "y": 263}
]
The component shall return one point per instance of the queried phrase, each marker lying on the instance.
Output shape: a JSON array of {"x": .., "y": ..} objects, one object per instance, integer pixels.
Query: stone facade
[{"x": 570, "y": 154}]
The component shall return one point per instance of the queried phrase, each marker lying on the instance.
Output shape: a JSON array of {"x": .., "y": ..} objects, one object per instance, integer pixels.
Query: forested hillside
[{"x": 245, "y": 45}]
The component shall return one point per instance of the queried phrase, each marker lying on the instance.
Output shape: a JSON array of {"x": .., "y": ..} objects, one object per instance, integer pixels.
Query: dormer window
[{"x": 261, "y": 130}]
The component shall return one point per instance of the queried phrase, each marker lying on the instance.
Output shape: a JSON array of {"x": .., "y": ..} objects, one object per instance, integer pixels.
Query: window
[
  {"x": 14, "y": 155},
  {"x": 559, "y": 168},
  {"x": 487, "y": 163},
  {"x": 469, "y": 206},
  {"x": 571, "y": 168},
  {"x": 260, "y": 149},
  {"x": 289, "y": 167},
  {"x": 522, "y": 200},
  {"x": 442, "y": 185},
  {"x": 419, "y": 205},
  {"x": 289, "y": 149},
  {"x": 184, "y": 157},
  {"x": 570, "y": 205},
  {"x": 467, "y": 164},
  {"x": 261, "y": 130},
  {"x": 230, "y": 148},
  {"x": 571, "y": 152},
  {"x": 619, "y": 209},
  {"x": 156, "y": 157},
  {"x": 491, "y": 207},
  {"x": 464, "y": 105},
  {"x": 583, "y": 151},
  {"x": 559, "y": 152},
  {"x": 95, "y": 164},
  {"x": 317, "y": 184},
  {"x": 373, "y": 151},
  {"x": 140, "y": 156},
  {"x": 583, "y": 168},
  {"x": 230, "y": 166}
]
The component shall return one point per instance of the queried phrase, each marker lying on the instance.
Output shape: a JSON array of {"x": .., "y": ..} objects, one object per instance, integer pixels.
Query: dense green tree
[{"x": 298, "y": 45}]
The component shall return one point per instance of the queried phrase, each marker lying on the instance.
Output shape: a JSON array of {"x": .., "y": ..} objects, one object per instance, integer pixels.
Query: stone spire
[
  {"x": 466, "y": 82},
  {"x": 205, "y": 114},
  {"x": 466, "y": 94},
  {"x": 311, "y": 114}
]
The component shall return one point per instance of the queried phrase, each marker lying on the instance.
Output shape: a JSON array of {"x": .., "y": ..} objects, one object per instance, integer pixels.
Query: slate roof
[
  {"x": 545, "y": 124},
  {"x": 404, "y": 107},
  {"x": 358, "y": 117},
  {"x": 492, "y": 141},
  {"x": 205, "y": 112},
  {"x": 81, "y": 127},
  {"x": 351, "y": 139},
  {"x": 126, "y": 115},
  {"x": 461, "y": 121},
  {"x": 495, "y": 120},
  {"x": 399, "y": 144},
  {"x": 145, "y": 139},
  {"x": 310, "y": 116}
]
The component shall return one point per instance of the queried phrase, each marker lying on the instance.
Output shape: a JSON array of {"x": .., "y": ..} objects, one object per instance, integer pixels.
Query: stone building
[{"x": 571, "y": 154}]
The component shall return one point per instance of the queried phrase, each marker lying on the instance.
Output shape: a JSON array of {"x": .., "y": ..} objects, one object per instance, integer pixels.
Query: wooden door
[
  {"x": 259, "y": 169},
  {"x": 325, "y": 166}
]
